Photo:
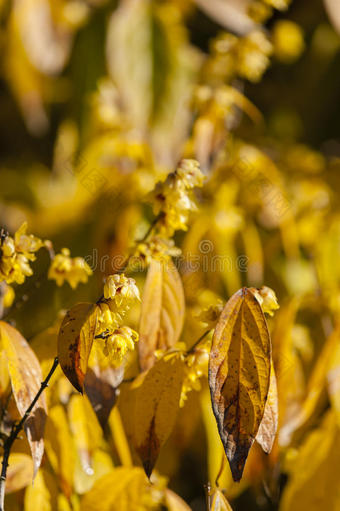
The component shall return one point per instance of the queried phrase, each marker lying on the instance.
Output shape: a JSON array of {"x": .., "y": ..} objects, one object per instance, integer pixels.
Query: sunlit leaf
[
  {"x": 19, "y": 472},
  {"x": 123, "y": 489},
  {"x": 60, "y": 448},
  {"x": 239, "y": 372},
  {"x": 156, "y": 404},
  {"x": 314, "y": 481},
  {"x": 75, "y": 340},
  {"x": 26, "y": 377},
  {"x": 86, "y": 431},
  {"x": 43, "y": 495},
  {"x": 219, "y": 502},
  {"x": 174, "y": 501},
  {"x": 162, "y": 313}
]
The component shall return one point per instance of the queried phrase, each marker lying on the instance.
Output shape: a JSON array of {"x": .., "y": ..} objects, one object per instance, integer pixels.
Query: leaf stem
[{"x": 16, "y": 428}]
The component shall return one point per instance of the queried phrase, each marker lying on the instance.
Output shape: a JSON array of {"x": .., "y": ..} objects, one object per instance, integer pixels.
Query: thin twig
[
  {"x": 194, "y": 346},
  {"x": 16, "y": 430}
]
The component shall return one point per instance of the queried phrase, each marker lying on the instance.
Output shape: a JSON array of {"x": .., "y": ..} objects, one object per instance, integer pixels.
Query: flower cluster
[
  {"x": 173, "y": 199},
  {"x": 232, "y": 56},
  {"x": 120, "y": 292},
  {"x": 72, "y": 270},
  {"x": 15, "y": 254}
]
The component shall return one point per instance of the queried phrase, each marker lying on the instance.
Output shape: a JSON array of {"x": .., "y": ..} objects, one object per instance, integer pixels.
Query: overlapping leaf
[
  {"x": 26, "y": 377},
  {"x": 162, "y": 313},
  {"x": 239, "y": 375},
  {"x": 155, "y": 406},
  {"x": 268, "y": 427},
  {"x": 75, "y": 341}
]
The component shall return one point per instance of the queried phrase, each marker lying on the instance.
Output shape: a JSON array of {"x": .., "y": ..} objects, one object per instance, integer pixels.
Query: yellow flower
[
  {"x": 120, "y": 289},
  {"x": 16, "y": 253},
  {"x": 118, "y": 343},
  {"x": 189, "y": 174},
  {"x": 72, "y": 270},
  {"x": 210, "y": 315},
  {"x": 259, "y": 11},
  {"x": 253, "y": 53},
  {"x": 267, "y": 299}
]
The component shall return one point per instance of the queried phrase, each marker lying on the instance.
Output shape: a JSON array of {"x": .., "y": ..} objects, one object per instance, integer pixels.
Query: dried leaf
[
  {"x": 239, "y": 374},
  {"x": 75, "y": 342},
  {"x": 162, "y": 313},
  {"x": 156, "y": 403},
  {"x": 26, "y": 378},
  {"x": 268, "y": 427}
]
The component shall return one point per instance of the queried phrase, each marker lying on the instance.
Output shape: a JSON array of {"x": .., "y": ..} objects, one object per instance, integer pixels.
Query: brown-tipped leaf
[
  {"x": 239, "y": 373},
  {"x": 75, "y": 341}
]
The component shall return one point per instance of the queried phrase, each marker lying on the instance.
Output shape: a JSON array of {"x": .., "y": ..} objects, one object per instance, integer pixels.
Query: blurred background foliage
[{"x": 99, "y": 99}]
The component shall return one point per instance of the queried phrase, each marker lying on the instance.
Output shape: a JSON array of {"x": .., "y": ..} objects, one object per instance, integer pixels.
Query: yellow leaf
[
  {"x": 333, "y": 378},
  {"x": 86, "y": 430},
  {"x": 314, "y": 481},
  {"x": 174, "y": 501},
  {"x": 60, "y": 448},
  {"x": 268, "y": 427},
  {"x": 162, "y": 313},
  {"x": 219, "y": 502},
  {"x": 4, "y": 375},
  {"x": 102, "y": 465},
  {"x": 75, "y": 342},
  {"x": 239, "y": 373},
  {"x": 19, "y": 472},
  {"x": 316, "y": 389},
  {"x": 119, "y": 437},
  {"x": 155, "y": 407},
  {"x": 26, "y": 377},
  {"x": 123, "y": 489},
  {"x": 43, "y": 494}
]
